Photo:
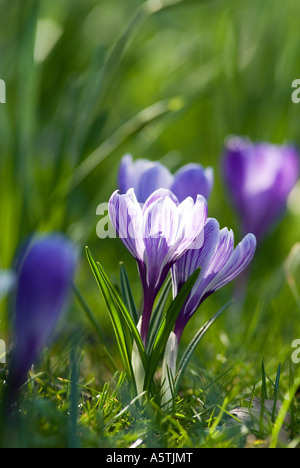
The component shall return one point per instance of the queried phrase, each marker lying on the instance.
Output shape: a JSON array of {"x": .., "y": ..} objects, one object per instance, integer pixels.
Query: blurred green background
[{"x": 88, "y": 81}]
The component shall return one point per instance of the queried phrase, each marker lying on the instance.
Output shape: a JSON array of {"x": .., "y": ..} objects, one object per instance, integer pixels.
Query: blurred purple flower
[
  {"x": 220, "y": 263},
  {"x": 146, "y": 176},
  {"x": 42, "y": 287},
  {"x": 259, "y": 178},
  {"x": 156, "y": 234}
]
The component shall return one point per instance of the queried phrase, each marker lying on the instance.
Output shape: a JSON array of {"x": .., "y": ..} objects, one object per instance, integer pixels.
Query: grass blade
[
  {"x": 128, "y": 129},
  {"x": 276, "y": 392},
  {"x": 127, "y": 294},
  {"x": 100, "y": 79}
]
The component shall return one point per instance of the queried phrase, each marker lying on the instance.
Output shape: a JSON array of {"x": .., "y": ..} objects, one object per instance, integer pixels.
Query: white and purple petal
[
  {"x": 156, "y": 234},
  {"x": 220, "y": 263},
  {"x": 235, "y": 264},
  {"x": 187, "y": 264},
  {"x": 126, "y": 217}
]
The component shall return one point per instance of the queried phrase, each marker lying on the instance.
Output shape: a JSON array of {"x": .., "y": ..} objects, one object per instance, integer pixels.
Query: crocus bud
[{"x": 42, "y": 287}]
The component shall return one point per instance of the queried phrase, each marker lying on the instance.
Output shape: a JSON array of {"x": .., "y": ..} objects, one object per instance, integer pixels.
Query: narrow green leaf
[
  {"x": 276, "y": 391},
  {"x": 264, "y": 396},
  {"x": 185, "y": 359},
  {"x": 264, "y": 393},
  {"x": 117, "y": 324},
  {"x": 127, "y": 294},
  {"x": 123, "y": 312},
  {"x": 123, "y": 323}
]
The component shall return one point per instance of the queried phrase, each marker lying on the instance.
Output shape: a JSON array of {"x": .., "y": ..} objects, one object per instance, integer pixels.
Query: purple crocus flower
[
  {"x": 156, "y": 234},
  {"x": 220, "y": 263},
  {"x": 259, "y": 178},
  {"x": 147, "y": 176},
  {"x": 42, "y": 288}
]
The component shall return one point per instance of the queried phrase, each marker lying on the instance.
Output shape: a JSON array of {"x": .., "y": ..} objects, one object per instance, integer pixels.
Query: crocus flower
[
  {"x": 259, "y": 178},
  {"x": 220, "y": 263},
  {"x": 147, "y": 176},
  {"x": 156, "y": 234},
  {"x": 42, "y": 288}
]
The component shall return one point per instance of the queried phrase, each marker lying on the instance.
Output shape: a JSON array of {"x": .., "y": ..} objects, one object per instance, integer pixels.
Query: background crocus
[
  {"x": 259, "y": 177},
  {"x": 42, "y": 287},
  {"x": 156, "y": 234},
  {"x": 220, "y": 263},
  {"x": 147, "y": 176}
]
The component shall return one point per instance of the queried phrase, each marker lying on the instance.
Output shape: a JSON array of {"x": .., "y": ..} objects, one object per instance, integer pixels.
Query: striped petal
[
  {"x": 126, "y": 217},
  {"x": 220, "y": 263}
]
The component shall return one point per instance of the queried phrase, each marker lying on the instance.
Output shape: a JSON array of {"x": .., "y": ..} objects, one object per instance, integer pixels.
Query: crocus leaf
[
  {"x": 127, "y": 294},
  {"x": 185, "y": 359},
  {"x": 117, "y": 323},
  {"x": 122, "y": 321},
  {"x": 123, "y": 313}
]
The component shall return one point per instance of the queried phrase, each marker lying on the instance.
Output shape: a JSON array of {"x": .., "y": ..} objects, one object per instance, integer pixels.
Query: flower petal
[
  {"x": 192, "y": 180},
  {"x": 126, "y": 216},
  {"x": 160, "y": 226},
  {"x": 143, "y": 175},
  {"x": 235, "y": 264},
  {"x": 187, "y": 264}
]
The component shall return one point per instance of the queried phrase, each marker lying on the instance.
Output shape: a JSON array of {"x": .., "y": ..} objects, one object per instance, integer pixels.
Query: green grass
[{"x": 167, "y": 81}]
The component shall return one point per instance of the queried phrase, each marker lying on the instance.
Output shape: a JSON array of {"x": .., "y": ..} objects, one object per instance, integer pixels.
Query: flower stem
[{"x": 149, "y": 298}]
